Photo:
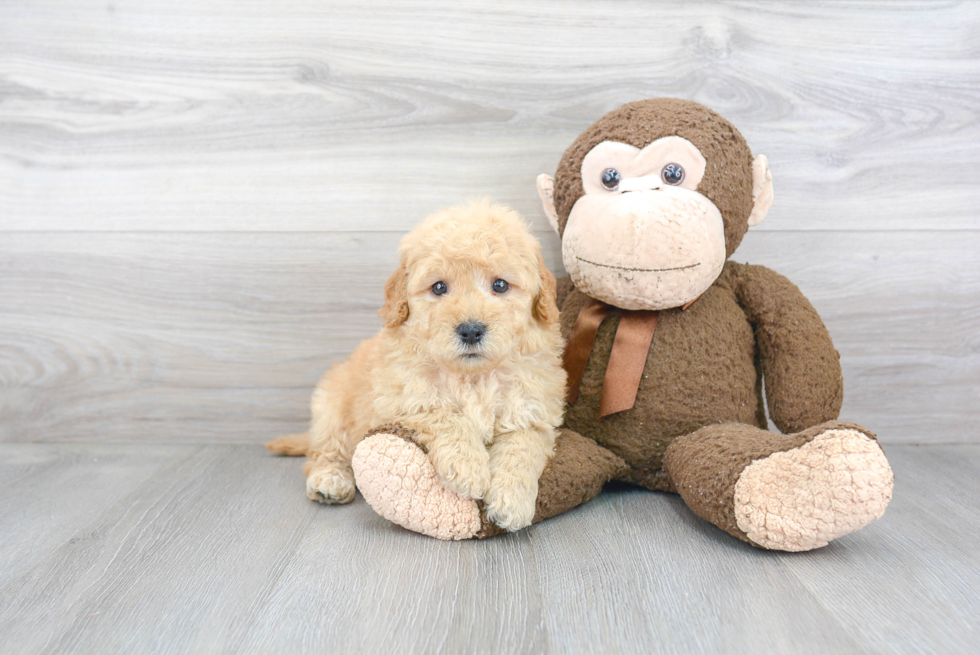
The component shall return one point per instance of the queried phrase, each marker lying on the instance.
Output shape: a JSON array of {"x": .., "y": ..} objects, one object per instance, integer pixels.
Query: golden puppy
[{"x": 469, "y": 358}]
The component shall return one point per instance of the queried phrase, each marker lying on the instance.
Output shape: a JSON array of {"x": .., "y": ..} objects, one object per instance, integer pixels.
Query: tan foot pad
[
  {"x": 804, "y": 498},
  {"x": 397, "y": 479}
]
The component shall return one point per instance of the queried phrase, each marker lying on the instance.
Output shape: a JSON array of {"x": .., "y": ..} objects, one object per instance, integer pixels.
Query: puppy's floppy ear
[
  {"x": 395, "y": 310},
  {"x": 545, "y": 309}
]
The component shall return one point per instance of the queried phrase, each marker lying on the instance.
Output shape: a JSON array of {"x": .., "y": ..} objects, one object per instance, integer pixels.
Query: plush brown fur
[
  {"x": 726, "y": 353},
  {"x": 726, "y": 450},
  {"x": 706, "y": 363},
  {"x": 698, "y": 425},
  {"x": 727, "y": 181}
]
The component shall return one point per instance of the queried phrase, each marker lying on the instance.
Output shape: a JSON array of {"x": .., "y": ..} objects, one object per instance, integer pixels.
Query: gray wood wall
[{"x": 200, "y": 200}]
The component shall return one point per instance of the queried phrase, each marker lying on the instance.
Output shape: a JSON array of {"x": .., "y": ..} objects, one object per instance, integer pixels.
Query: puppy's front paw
[
  {"x": 467, "y": 475},
  {"x": 511, "y": 509},
  {"x": 330, "y": 485}
]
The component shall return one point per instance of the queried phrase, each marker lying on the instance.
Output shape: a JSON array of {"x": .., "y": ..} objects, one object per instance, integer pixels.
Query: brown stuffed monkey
[{"x": 668, "y": 347}]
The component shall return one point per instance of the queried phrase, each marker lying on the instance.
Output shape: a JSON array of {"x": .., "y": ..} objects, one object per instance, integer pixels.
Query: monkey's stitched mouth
[{"x": 641, "y": 270}]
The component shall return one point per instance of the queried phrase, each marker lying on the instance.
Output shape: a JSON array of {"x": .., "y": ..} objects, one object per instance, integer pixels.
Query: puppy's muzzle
[{"x": 471, "y": 333}]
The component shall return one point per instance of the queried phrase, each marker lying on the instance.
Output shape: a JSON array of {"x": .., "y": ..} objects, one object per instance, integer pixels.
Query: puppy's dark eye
[
  {"x": 439, "y": 288},
  {"x": 672, "y": 174},
  {"x": 500, "y": 286},
  {"x": 611, "y": 179}
]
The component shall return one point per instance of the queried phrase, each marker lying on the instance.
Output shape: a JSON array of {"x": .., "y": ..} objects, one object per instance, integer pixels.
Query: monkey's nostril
[{"x": 471, "y": 332}]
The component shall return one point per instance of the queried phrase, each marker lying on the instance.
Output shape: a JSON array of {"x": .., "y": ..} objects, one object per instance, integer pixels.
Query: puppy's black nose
[{"x": 471, "y": 332}]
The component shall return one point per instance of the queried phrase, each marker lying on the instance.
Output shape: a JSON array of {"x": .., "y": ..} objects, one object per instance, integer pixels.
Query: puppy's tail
[{"x": 292, "y": 445}]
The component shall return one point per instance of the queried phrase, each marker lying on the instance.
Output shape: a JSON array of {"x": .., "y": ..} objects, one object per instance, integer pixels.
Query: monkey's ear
[
  {"x": 395, "y": 310},
  {"x": 761, "y": 190},
  {"x": 546, "y": 190},
  {"x": 545, "y": 308}
]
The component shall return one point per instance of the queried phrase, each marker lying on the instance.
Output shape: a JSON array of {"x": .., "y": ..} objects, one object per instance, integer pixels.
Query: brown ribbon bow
[{"x": 626, "y": 361}]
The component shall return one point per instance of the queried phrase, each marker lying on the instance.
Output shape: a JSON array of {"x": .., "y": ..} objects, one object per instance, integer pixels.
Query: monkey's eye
[
  {"x": 439, "y": 288},
  {"x": 500, "y": 286},
  {"x": 611, "y": 179},
  {"x": 672, "y": 174}
]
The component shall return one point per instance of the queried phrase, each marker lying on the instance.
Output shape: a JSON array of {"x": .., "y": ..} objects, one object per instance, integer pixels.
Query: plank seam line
[{"x": 539, "y": 231}]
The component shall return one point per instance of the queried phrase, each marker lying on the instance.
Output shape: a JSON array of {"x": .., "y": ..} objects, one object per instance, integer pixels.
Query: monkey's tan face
[{"x": 642, "y": 237}]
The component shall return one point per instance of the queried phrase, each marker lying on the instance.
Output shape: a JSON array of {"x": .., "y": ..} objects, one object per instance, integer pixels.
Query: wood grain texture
[
  {"x": 227, "y": 115},
  {"x": 928, "y": 544},
  {"x": 220, "y": 550},
  {"x": 221, "y": 337},
  {"x": 47, "y": 495},
  {"x": 180, "y": 564},
  {"x": 364, "y": 585},
  {"x": 199, "y": 200}
]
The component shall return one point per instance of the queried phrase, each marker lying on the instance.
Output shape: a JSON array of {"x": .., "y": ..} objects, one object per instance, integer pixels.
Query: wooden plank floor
[{"x": 182, "y": 548}]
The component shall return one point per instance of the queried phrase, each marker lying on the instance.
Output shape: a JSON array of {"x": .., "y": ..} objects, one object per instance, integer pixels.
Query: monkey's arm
[
  {"x": 563, "y": 288},
  {"x": 802, "y": 371}
]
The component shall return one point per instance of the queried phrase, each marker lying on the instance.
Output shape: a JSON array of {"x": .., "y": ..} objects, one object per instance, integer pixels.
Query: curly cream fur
[{"x": 487, "y": 416}]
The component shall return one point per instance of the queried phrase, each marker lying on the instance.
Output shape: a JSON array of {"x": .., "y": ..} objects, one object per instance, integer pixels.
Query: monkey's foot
[
  {"x": 398, "y": 481},
  {"x": 803, "y": 498}
]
